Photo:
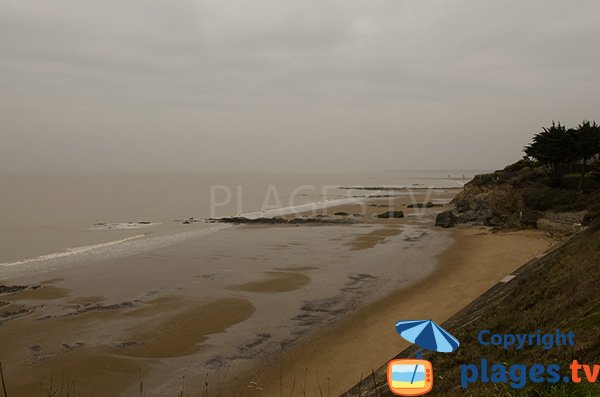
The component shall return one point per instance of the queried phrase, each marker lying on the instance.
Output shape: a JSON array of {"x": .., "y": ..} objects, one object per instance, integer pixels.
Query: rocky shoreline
[
  {"x": 319, "y": 220},
  {"x": 517, "y": 199}
]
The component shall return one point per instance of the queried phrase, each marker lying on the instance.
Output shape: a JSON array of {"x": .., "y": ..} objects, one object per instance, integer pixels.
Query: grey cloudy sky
[{"x": 281, "y": 85}]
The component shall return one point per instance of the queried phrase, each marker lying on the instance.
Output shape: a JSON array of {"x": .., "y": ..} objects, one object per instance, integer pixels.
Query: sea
[{"x": 45, "y": 217}]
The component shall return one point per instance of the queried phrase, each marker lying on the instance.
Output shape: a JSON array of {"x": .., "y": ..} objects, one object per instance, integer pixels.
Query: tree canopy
[{"x": 556, "y": 147}]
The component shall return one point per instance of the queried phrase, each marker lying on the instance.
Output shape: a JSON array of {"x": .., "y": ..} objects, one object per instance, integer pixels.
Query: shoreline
[
  {"x": 315, "y": 274},
  {"x": 290, "y": 274},
  {"x": 330, "y": 358}
]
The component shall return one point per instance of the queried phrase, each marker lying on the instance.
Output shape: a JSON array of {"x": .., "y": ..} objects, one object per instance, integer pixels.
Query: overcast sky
[{"x": 280, "y": 85}]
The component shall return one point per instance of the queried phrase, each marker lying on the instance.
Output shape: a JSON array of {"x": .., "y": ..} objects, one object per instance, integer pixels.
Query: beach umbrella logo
[
  {"x": 414, "y": 377},
  {"x": 427, "y": 335}
]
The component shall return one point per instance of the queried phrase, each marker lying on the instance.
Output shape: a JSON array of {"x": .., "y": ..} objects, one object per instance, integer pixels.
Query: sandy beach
[
  {"x": 318, "y": 301},
  {"x": 336, "y": 358}
]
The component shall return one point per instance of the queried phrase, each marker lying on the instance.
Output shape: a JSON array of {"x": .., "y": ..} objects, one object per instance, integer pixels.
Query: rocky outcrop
[
  {"x": 446, "y": 219},
  {"x": 391, "y": 214},
  {"x": 428, "y": 204},
  {"x": 283, "y": 221},
  {"x": 10, "y": 289},
  {"x": 519, "y": 198},
  {"x": 489, "y": 205},
  {"x": 486, "y": 200}
]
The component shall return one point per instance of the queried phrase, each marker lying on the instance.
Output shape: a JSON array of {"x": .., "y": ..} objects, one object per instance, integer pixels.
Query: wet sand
[
  {"x": 60, "y": 353},
  {"x": 183, "y": 330},
  {"x": 338, "y": 357},
  {"x": 274, "y": 282},
  {"x": 373, "y": 238}
]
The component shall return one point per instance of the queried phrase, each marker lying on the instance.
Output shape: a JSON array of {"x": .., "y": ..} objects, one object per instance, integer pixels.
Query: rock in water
[
  {"x": 391, "y": 214},
  {"x": 446, "y": 219},
  {"x": 428, "y": 204},
  {"x": 283, "y": 221},
  {"x": 9, "y": 289}
]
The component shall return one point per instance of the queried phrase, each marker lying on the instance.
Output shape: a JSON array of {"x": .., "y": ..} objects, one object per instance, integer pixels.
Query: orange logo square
[{"x": 408, "y": 377}]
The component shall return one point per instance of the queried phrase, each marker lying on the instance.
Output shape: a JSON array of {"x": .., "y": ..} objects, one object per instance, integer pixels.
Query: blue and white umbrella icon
[{"x": 427, "y": 335}]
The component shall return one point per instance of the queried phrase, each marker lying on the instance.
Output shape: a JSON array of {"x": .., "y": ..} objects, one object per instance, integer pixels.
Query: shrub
[
  {"x": 526, "y": 176},
  {"x": 483, "y": 179},
  {"x": 519, "y": 165},
  {"x": 542, "y": 198}
]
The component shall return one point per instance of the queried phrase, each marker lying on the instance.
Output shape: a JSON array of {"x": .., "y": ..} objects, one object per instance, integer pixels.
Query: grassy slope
[{"x": 560, "y": 291}]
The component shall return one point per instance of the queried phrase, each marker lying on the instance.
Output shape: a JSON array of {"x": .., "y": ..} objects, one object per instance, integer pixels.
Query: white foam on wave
[
  {"x": 319, "y": 205},
  {"x": 70, "y": 251},
  {"x": 114, "y": 249}
]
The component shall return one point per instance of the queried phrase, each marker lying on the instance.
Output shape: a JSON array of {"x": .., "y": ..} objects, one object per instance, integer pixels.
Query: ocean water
[{"x": 48, "y": 218}]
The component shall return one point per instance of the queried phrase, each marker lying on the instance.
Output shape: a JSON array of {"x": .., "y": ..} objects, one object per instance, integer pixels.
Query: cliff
[{"x": 520, "y": 196}]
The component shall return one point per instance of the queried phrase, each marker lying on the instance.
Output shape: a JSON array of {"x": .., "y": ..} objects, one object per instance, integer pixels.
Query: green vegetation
[
  {"x": 552, "y": 148},
  {"x": 557, "y": 148},
  {"x": 551, "y": 182},
  {"x": 559, "y": 292}
]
